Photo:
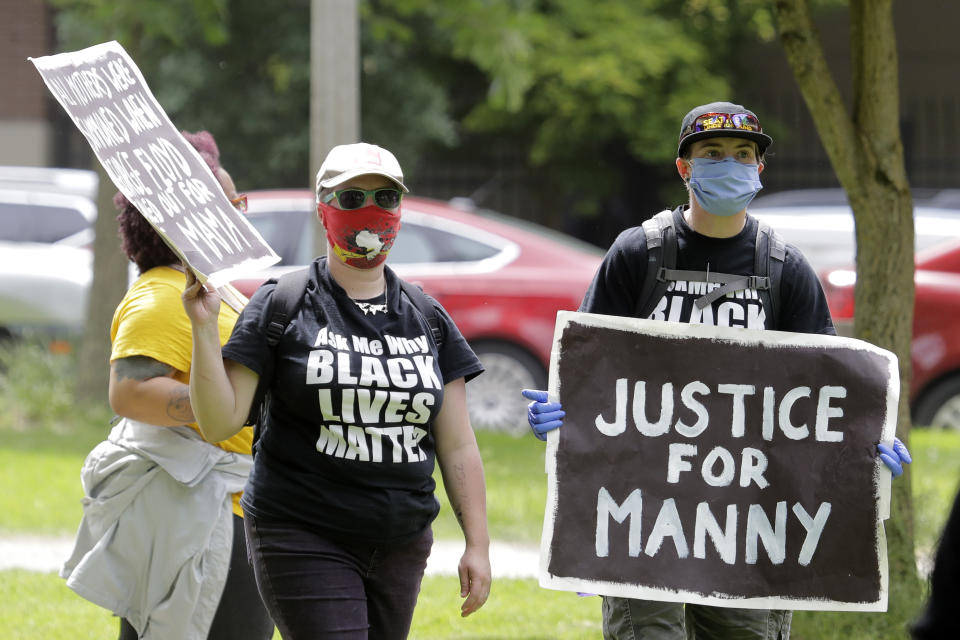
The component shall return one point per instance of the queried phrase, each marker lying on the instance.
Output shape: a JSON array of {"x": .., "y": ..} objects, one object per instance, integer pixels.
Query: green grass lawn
[
  {"x": 44, "y": 438},
  {"x": 39, "y": 605},
  {"x": 936, "y": 480}
]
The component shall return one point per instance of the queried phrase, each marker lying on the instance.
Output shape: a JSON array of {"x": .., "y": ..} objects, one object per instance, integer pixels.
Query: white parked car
[
  {"x": 819, "y": 222},
  {"x": 46, "y": 218}
]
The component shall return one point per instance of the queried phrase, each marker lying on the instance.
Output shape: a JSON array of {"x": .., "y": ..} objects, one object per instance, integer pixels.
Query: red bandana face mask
[{"x": 361, "y": 237}]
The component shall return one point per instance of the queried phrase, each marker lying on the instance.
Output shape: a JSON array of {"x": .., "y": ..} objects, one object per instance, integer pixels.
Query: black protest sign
[
  {"x": 151, "y": 163},
  {"x": 720, "y": 466}
]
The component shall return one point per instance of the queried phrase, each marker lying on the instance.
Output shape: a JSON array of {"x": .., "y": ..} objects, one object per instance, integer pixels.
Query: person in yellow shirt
[{"x": 150, "y": 366}]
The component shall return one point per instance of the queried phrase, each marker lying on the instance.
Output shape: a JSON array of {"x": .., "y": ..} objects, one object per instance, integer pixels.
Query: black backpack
[
  {"x": 769, "y": 255},
  {"x": 286, "y": 300}
]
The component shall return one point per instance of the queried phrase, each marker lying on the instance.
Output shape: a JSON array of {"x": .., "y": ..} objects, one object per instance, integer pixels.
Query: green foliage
[
  {"x": 583, "y": 88},
  {"x": 136, "y": 24},
  {"x": 238, "y": 69},
  {"x": 36, "y": 391},
  {"x": 241, "y": 70},
  {"x": 606, "y": 71},
  {"x": 404, "y": 107},
  {"x": 573, "y": 84}
]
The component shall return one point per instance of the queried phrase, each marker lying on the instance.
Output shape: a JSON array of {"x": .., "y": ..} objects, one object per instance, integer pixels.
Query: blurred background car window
[
  {"x": 29, "y": 222},
  {"x": 287, "y": 232},
  {"x": 419, "y": 243},
  {"x": 81, "y": 182}
]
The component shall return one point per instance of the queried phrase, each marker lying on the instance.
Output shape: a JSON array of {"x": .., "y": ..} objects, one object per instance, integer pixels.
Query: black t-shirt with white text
[
  {"x": 619, "y": 281},
  {"x": 348, "y": 445}
]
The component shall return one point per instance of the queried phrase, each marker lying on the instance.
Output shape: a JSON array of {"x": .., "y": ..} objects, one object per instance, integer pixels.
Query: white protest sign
[
  {"x": 720, "y": 466},
  {"x": 152, "y": 164}
]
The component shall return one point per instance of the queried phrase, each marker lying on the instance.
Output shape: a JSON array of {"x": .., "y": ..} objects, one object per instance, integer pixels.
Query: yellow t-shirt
[{"x": 150, "y": 321}]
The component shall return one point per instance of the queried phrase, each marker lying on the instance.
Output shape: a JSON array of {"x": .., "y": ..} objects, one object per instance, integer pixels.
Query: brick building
[{"x": 26, "y": 132}]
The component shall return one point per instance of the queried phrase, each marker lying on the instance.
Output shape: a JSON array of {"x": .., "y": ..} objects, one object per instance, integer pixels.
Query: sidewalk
[{"x": 508, "y": 560}]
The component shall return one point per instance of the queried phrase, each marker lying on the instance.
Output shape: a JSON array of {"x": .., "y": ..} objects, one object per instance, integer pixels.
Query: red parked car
[
  {"x": 935, "y": 350},
  {"x": 501, "y": 279}
]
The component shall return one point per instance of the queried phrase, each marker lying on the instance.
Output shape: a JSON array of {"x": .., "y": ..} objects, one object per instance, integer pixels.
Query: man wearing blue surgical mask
[
  {"x": 729, "y": 270},
  {"x": 722, "y": 171},
  {"x": 720, "y": 155}
]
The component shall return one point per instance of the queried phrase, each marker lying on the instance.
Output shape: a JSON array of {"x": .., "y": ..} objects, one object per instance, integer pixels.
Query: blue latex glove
[
  {"x": 543, "y": 416},
  {"x": 895, "y": 458}
]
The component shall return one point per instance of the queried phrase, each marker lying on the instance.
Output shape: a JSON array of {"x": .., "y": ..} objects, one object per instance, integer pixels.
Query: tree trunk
[
  {"x": 107, "y": 289},
  {"x": 866, "y": 153}
]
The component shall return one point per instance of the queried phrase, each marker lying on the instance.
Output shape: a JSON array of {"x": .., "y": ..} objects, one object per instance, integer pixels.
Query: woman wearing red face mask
[{"x": 363, "y": 400}]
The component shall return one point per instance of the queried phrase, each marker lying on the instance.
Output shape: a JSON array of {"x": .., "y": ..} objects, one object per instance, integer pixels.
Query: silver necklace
[{"x": 371, "y": 308}]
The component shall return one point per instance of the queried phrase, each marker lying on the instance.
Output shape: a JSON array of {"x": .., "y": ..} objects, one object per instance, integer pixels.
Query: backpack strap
[
  {"x": 661, "y": 257},
  {"x": 731, "y": 283},
  {"x": 769, "y": 255},
  {"x": 283, "y": 305},
  {"x": 286, "y": 299},
  {"x": 426, "y": 308}
]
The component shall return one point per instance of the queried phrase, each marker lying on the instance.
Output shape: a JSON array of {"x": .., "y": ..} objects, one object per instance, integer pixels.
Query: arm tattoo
[
  {"x": 141, "y": 368},
  {"x": 179, "y": 407},
  {"x": 460, "y": 479}
]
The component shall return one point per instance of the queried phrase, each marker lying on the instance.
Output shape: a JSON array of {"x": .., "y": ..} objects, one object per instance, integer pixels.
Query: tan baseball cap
[{"x": 347, "y": 161}]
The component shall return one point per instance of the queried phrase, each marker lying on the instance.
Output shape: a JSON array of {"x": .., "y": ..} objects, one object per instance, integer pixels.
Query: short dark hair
[{"x": 138, "y": 239}]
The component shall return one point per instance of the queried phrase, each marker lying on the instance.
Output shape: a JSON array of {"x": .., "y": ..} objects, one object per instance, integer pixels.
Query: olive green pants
[{"x": 625, "y": 619}]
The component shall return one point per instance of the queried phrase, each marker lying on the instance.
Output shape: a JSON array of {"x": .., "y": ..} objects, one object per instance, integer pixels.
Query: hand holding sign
[
  {"x": 542, "y": 416},
  {"x": 896, "y": 457},
  {"x": 201, "y": 305}
]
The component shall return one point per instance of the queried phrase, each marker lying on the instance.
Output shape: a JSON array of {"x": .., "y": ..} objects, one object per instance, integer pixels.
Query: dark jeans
[
  {"x": 626, "y": 619},
  {"x": 241, "y": 613},
  {"x": 318, "y": 588}
]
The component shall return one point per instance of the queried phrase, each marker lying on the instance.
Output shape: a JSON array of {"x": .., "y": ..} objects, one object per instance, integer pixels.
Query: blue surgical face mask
[{"x": 724, "y": 187}]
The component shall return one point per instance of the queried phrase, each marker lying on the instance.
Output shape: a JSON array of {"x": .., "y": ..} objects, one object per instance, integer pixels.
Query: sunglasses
[
  {"x": 349, "y": 199},
  {"x": 240, "y": 202},
  {"x": 713, "y": 121}
]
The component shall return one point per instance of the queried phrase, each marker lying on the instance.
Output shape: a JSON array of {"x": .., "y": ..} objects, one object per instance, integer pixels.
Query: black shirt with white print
[
  {"x": 348, "y": 445},
  {"x": 619, "y": 280}
]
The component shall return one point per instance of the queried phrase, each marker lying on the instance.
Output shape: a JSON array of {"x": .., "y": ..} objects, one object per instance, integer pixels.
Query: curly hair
[{"x": 138, "y": 239}]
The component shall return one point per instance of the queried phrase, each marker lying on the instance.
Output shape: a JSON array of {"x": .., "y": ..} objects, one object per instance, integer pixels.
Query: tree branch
[{"x": 818, "y": 87}]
